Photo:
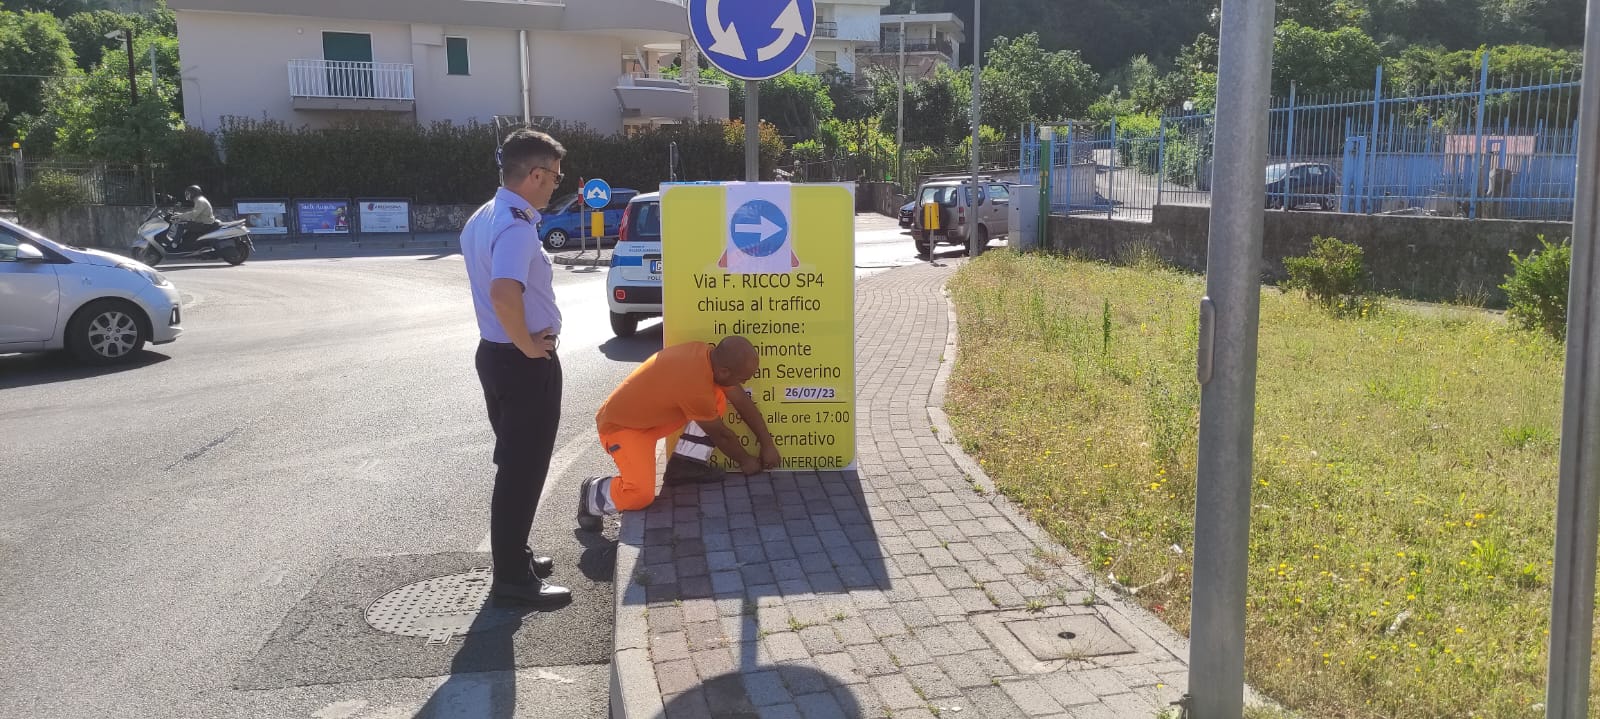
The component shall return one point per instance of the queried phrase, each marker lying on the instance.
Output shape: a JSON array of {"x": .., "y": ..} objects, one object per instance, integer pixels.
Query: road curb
[{"x": 634, "y": 691}]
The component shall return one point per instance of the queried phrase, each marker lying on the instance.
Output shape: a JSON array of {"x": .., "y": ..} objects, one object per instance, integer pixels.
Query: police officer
[{"x": 519, "y": 323}]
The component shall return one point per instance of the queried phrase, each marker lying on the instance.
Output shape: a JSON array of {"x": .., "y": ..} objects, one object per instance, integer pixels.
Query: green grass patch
[{"x": 1402, "y": 527}]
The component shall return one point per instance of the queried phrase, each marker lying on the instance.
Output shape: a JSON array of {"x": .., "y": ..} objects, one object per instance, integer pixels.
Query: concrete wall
[
  {"x": 880, "y": 197},
  {"x": 1424, "y": 258},
  {"x": 492, "y": 87},
  {"x": 575, "y": 78}
]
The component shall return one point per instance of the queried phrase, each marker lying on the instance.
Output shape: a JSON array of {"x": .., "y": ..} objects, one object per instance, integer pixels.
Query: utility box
[{"x": 1024, "y": 218}]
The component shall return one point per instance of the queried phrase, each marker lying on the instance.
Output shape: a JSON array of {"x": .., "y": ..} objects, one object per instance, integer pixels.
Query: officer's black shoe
[
  {"x": 684, "y": 470},
  {"x": 587, "y": 520},
  {"x": 533, "y": 591},
  {"x": 540, "y": 566}
]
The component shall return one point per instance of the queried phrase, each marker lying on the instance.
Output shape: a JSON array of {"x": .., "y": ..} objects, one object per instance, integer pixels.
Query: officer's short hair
[{"x": 526, "y": 149}]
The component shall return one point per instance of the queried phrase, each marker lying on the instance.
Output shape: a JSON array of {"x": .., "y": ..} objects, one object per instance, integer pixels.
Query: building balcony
[
  {"x": 667, "y": 99},
  {"x": 891, "y": 45},
  {"x": 343, "y": 85},
  {"x": 827, "y": 29}
]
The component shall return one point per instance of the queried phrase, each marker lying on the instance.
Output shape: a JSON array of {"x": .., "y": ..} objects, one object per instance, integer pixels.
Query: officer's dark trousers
[{"x": 524, "y": 400}]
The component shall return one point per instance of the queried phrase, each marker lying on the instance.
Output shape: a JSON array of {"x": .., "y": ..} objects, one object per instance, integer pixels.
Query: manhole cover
[
  {"x": 1078, "y": 637},
  {"x": 440, "y": 608}
]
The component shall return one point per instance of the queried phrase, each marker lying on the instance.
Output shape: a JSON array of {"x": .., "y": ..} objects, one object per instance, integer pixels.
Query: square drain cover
[{"x": 1055, "y": 638}]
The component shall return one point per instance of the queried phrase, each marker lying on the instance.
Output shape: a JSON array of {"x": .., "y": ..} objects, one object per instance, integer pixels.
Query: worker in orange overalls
[{"x": 680, "y": 386}]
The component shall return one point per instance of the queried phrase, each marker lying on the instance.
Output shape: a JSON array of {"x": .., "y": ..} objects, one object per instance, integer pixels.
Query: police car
[{"x": 633, "y": 284}]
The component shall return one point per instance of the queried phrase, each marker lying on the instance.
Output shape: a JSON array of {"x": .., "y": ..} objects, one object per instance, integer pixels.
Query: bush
[
  {"x": 446, "y": 163},
  {"x": 1331, "y": 274},
  {"x": 1536, "y": 289},
  {"x": 48, "y": 193}
]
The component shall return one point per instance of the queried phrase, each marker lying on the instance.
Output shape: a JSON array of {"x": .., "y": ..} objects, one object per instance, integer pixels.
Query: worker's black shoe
[
  {"x": 588, "y": 521},
  {"x": 540, "y": 566},
  {"x": 532, "y": 590}
]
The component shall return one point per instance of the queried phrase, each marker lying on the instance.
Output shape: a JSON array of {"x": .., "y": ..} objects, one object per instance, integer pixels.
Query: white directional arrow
[
  {"x": 791, "y": 25},
  {"x": 725, "y": 40},
  {"x": 766, "y": 229}
]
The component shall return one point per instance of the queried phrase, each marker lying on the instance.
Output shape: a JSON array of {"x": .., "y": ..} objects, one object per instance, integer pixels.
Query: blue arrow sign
[
  {"x": 753, "y": 39},
  {"x": 759, "y": 228},
  {"x": 596, "y": 193}
]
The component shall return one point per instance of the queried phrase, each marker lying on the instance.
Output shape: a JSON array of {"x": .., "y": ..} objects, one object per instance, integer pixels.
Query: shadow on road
[
  {"x": 483, "y": 675},
  {"x": 598, "y": 562},
  {"x": 637, "y": 348},
  {"x": 26, "y": 370}
]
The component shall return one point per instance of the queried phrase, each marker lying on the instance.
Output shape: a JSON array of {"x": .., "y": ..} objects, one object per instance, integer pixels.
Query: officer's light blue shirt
[{"x": 501, "y": 241}]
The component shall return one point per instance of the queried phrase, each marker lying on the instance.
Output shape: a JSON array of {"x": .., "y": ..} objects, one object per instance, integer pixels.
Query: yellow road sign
[{"x": 774, "y": 263}]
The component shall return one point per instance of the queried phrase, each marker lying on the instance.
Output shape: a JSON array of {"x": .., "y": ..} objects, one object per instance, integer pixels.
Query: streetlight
[{"x": 977, "y": 66}]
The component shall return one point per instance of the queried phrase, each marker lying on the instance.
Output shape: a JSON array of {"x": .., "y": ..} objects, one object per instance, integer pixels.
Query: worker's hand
[
  {"x": 749, "y": 464},
  {"x": 769, "y": 456}
]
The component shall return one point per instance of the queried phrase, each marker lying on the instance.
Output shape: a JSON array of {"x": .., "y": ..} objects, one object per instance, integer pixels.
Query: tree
[
  {"x": 33, "y": 52},
  {"x": 92, "y": 118},
  {"x": 1320, "y": 61},
  {"x": 795, "y": 103},
  {"x": 1028, "y": 83},
  {"x": 937, "y": 111},
  {"x": 849, "y": 100},
  {"x": 87, "y": 33}
]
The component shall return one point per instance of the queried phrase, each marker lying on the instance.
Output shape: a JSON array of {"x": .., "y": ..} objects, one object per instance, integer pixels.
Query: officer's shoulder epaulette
[{"x": 521, "y": 214}]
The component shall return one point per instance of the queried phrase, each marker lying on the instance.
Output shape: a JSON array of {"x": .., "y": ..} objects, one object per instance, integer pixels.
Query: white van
[{"x": 633, "y": 284}]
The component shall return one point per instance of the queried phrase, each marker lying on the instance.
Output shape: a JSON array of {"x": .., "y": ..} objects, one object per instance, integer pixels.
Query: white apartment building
[
  {"x": 316, "y": 62},
  {"x": 844, "y": 29},
  {"x": 932, "y": 40}
]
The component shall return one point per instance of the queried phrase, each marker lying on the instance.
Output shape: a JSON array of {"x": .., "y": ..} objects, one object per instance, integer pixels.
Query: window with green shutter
[{"x": 455, "y": 55}]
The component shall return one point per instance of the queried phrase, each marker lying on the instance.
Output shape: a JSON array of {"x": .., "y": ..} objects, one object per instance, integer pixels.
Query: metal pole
[
  {"x": 1372, "y": 142},
  {"x": 1288, "y": 149},
  {"x": 977, "y": 73},
  {"x": 1161, "y": 157},
  {"x": 900, "y": 118},
  {"x": 1229, "y": 320},
  {"x": 752, "y": 131},
  {"x": 1477, "y": 146},
  {"x": 1111, "y": 177},
  {"x": 1572, "y": 603}
]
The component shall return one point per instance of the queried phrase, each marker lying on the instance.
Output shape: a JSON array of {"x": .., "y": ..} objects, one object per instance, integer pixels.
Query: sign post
[
  {"x": 753, "y": 40},
  {"x": 596, "y": 195},
  {"x": 777, "y": 268}
]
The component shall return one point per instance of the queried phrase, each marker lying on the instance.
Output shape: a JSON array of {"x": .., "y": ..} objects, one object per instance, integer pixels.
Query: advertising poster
[
  {"x": 322, "y": 217},
  {"x": 264, "y": 217},
  {"x": 384, "y": 216},
  {"x": 778, "y": 271}
]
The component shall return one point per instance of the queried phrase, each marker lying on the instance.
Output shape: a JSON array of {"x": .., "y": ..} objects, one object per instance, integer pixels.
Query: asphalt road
[{"x": 198, "y": 534}]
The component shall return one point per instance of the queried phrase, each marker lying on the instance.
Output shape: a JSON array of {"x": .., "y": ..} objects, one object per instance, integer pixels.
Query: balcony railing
[
  {"x": 827, "y": 29},
  {"x": 891, "y": 45},
  {"x": 342, "y": 79}
]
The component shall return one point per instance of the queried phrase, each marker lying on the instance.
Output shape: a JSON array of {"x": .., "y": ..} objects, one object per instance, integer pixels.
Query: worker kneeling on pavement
[{"x": 684, "y": 387}]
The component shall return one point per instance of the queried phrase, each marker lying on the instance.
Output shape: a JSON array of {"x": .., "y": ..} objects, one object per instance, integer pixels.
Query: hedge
[{"x": 441, "y": 163}]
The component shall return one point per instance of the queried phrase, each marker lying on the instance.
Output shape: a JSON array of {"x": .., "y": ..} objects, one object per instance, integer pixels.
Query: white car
[
  {"x": 633, "y": 284},
  {"x": 101, "y": 307}
]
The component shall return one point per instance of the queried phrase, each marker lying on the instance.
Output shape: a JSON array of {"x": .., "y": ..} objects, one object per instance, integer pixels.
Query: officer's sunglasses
[{"x": 559, "y": 175}]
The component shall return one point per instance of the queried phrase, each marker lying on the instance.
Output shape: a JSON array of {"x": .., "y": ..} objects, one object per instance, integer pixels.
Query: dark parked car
[
  {"x": 1301, "y": 183},
  {"x": 905, "y": 213}
]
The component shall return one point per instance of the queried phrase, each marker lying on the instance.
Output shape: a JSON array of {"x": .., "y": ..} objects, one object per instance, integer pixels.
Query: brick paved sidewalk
[{"x": 905, "y": 590}]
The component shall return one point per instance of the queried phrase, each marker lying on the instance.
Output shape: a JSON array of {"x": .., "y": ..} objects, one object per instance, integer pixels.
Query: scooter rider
[{"x": 198, "y": 221}]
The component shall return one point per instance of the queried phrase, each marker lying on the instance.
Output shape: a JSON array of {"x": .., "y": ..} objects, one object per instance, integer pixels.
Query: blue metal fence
[{"x": 1501, "y": 148}]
